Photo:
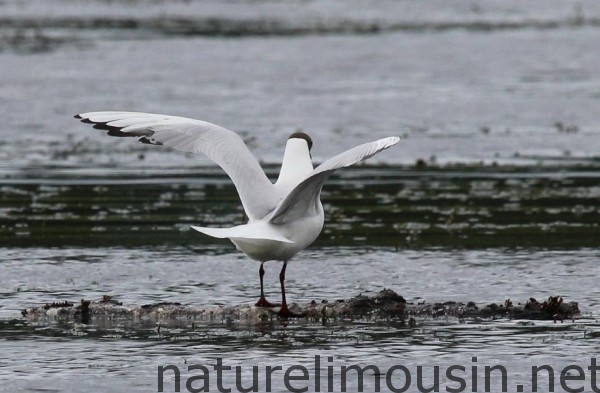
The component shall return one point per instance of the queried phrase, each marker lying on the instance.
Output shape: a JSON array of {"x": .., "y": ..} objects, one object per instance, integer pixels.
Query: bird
[{"x": 284, "y": 217}]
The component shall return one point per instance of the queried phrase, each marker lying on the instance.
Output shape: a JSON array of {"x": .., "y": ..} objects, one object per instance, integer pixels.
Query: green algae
[{"x": 383, "y": 206}]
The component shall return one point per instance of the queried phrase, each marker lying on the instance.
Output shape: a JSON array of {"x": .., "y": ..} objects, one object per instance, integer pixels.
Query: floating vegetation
[
  {"x": 459, "y": 206},
  {"x": 382, "y": 307}
]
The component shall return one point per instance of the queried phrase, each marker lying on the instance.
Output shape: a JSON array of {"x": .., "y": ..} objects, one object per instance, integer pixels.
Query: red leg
[
  {"x": 262, "y": 302},
  {"x": 285, "y": 312}
]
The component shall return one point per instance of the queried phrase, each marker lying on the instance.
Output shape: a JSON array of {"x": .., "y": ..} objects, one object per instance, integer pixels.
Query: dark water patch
[
  {"x": 33, "y": 40},
  {"x": 473, "y": 207},
  {"x": 235, "y": 27},
  {"x": 274, "y": 333}
]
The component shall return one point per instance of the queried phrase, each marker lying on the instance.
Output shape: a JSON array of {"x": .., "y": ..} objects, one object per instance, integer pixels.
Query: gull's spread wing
[
  {"x": 303, "y": 200},
  {"x": 224, "y": 147}
]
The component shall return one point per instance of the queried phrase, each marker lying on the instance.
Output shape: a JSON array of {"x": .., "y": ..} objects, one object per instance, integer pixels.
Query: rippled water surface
[
  {"x": 492, "y": 194},
  {"x": 61, "y": 356}
]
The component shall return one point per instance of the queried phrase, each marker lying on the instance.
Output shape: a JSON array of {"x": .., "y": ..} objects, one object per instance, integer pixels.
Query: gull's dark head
[{"x": 302, "y": 135}]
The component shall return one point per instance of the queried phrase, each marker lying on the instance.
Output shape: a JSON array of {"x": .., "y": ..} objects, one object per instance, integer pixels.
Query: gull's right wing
[{"x": 224, "y": 147}]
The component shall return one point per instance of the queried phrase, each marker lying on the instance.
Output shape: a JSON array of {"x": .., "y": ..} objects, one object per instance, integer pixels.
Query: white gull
[{"x": 283, "y": 218}]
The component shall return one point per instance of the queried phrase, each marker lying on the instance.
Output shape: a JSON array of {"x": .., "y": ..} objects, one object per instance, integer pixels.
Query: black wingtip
[
  {"x": 114, "y": 132},
  {"x": 78, "y": 117},
  {"x": 149, "y": 141}
]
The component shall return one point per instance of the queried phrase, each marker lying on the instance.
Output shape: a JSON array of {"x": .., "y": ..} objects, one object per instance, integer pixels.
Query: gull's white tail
[{"x": 261, "y": 231}]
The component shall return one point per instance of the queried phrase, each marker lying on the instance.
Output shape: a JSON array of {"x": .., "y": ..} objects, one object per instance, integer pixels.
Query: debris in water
[{"x": 384, "y": 306}]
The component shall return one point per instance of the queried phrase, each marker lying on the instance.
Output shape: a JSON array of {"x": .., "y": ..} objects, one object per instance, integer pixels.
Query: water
[
  {"x": 63, "y": 356},
  {"x": 491, "y": 194}
]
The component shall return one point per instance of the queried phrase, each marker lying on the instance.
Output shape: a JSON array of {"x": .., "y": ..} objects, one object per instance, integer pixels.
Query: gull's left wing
[{"x": 303, "y": 200}]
